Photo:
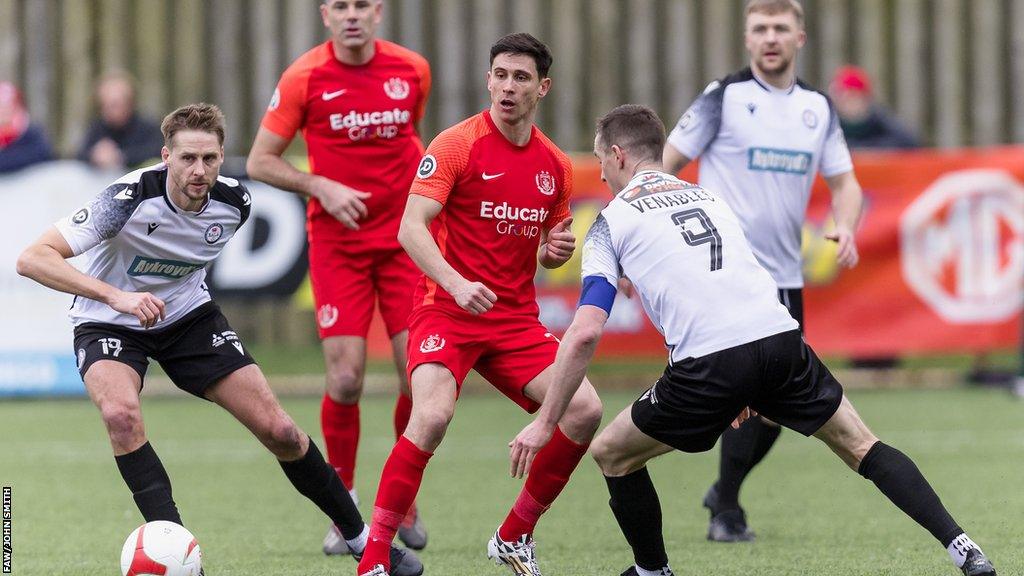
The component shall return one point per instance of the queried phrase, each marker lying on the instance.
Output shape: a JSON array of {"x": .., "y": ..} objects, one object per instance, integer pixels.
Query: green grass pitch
[{"x": 71, "y": 510}]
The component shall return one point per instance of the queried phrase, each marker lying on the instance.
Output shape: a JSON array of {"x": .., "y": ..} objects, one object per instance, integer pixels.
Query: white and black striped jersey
[
  {"x": 135, "y": 239},
  {"x": 684, "y": 251},
  {"x": 760, "y": 148}
]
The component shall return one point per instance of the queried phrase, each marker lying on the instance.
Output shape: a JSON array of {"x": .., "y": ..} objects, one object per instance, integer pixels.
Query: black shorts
[
  {"x": 793, "y": 300},
  {"x": 696, "y": 399},
  {"x": 195, "y": 351}
]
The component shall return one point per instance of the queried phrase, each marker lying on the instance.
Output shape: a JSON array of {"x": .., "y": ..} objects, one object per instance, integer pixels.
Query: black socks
[
  {"x": 151, "y": 488},
  {"x": 638, "y": 512},
  {"x": 900, "y": 480},
  {"x": 742, "y": 449},
  {"x": 316, "y": 480}
]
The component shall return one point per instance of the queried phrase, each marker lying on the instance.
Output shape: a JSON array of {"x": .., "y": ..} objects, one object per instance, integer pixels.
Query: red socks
[
  {"x": 403, "y": 410},
  {"x": 340, "y": 423},
  {"x": 549, "y": 473},
  {"x": 399, "y": 482}
]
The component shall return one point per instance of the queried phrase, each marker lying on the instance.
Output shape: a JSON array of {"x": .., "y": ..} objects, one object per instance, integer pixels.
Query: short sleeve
[
  {"x": 599, "y": 258},
  {"x": 835, "y": 155},
  {"x": 561, "y": 211},
  {"x": 287, "y": 109},
  {"x": 699, "y": 125},
  {"x": 441, "y": 166},
  {"x": 101, "y": 219}
]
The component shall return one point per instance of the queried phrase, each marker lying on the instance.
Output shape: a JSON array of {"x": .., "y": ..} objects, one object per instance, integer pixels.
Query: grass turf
[{"x": 71, "y": 510}]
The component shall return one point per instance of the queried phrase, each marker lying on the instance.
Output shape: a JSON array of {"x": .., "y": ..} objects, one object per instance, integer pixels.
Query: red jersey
[
  {"x": 498, "y": 198},
  {"x": 359, "y": 123}
]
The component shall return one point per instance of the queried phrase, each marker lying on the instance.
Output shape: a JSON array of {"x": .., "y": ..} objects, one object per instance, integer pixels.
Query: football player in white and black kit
[
  {"x": 733, "y": 349},
  {"x": 762, "y": 135},
  {"x": 147, "y": 240}
]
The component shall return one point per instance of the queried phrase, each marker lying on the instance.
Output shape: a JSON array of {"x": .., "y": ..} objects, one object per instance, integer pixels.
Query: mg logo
[{"x": 963, "y": 246}]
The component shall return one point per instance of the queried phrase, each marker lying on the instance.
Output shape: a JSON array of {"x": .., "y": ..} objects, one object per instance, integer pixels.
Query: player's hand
[
  {"x": 744, "y": 415},
  {"x": 344, "y": 203},
  {"x": 626, "y": 287},
  {"x": 525, "y": 446},
  {"x": 147, "y": 308},
  {"x": 561, "y": 243},
  {"x": 847, "y": 255},
  {"x": 474, "y": 297}
]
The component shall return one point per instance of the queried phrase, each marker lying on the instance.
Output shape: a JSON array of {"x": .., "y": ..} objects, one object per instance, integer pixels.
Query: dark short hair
[
  {"x": 634, "y": 128},
  {"x": 523, "y": 43},
  {"x": 772, "y": 7},
  {"x": 201, "y": 117}
]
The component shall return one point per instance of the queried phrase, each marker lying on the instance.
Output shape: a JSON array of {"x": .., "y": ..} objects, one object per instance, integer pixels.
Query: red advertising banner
[{"x": 942, "y": 260}]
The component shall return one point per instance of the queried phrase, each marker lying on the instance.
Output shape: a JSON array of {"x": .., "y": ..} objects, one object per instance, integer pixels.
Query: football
[{"x": 161, "y": 548}]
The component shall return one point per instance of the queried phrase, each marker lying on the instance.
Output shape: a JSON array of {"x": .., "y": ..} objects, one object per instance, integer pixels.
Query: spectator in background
[
  {"x": 865, "y": 123},
  {"x": 21, "y": 142},
  {"x": 120, "y": 137}
]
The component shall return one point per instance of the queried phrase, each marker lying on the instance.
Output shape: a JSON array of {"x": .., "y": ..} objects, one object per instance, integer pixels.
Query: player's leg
[
  {"x": 901, "y": 481},
  {"x": 742, "y": 449},
  {"x": 344, "y": 364},
  {"x": 622, "y": 452},
  {"x": 395, "y": 277},
  {"x": 555, "y": 463},
  {"x": 341, "y": 279},
  {"x": 247, "y": 396},
  {"x": 434, "y": 389},
  {"x": 114, "y": 389}
]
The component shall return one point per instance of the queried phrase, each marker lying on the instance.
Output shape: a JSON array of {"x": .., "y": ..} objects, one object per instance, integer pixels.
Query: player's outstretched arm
[
  {"x": 574, "y": 354},
  {"x": 45, "y": 261},
  {"x": 414, "y": 236},
  {"x": 558, "y": 245},
  {"x": 847, "y": 202},
  {"x": 266, "y": 164}
]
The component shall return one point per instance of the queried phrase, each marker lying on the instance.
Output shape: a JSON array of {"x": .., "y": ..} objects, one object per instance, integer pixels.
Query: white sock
[
  {"x": 358, "y": 543},
  {"x": 959, "y": 548},
  {"x": 659, "y": 572}
]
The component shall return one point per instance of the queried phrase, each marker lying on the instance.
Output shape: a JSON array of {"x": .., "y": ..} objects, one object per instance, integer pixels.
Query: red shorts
[
  {"x": 347, "y": 282},
  {"x": 508, "y": 352}
]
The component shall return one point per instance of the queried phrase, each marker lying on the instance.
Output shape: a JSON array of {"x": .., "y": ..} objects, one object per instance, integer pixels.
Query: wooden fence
[{"x": 953, "y": 70}]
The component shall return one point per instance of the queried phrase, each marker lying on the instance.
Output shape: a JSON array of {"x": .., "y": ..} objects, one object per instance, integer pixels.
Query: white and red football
[{"x": 161, "y": 548}]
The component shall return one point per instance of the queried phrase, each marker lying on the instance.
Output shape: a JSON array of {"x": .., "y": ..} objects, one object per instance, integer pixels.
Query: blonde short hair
[{"x": 775, "y": 7}]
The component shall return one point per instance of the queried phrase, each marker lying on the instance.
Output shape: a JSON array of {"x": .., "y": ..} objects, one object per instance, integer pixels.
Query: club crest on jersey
[
  {"x": 396, "y": 88},
  {"x": 80, "y": 217},
  {"x": 214, "y": 232},
  {"x": 327, "y": 315},
  {"x": 810, "y": 118},
  {"x": 545, "y": 183},
  {"x": 427, "y": 167},
  {"x": 432, "y": 343},
  {"x": 275, "y": 100}
]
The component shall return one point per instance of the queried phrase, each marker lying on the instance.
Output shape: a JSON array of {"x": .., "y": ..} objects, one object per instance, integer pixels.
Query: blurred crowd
[{"x": 118, "y": 138}]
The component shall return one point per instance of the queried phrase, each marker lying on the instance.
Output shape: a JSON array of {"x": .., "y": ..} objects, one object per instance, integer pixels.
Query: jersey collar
[{"x": 768, "y": 87}]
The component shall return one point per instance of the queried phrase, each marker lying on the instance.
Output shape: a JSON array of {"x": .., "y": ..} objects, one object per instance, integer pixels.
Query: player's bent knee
[
  {"x": 283, "y": 438},
  {"x": 124, "y": 424},
  {"x": 610, "y": 457},
  {"x": 583, "y": 417},
  {"x": 344, "y": 384}
]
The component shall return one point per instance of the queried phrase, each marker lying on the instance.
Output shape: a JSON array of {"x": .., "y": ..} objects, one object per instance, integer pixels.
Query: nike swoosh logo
[
  {"x": 151, "y": 228},
  {"x": 328, "y": 96},
  {"x": 487, "y": 176}
]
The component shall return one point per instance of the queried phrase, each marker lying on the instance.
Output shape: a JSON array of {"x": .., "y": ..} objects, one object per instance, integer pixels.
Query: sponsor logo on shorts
[
  {"x": 81, "y": 216},
  {"x": 552, "y": 336},
  {"x": 777, "y": 160},
  {"x": 81, "y": 357},
  {"x": 214, "y": 232},
  {"x": 545, "y": 183},
  {"x": 650, "y": 395},
  {"x": 327, "y": 315},
  {"x": 432, "y": 343},
  {"x": 218, "y": 340},
  {"x": 238, "y": 346},
  {"x": 145, "y": 266}
]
